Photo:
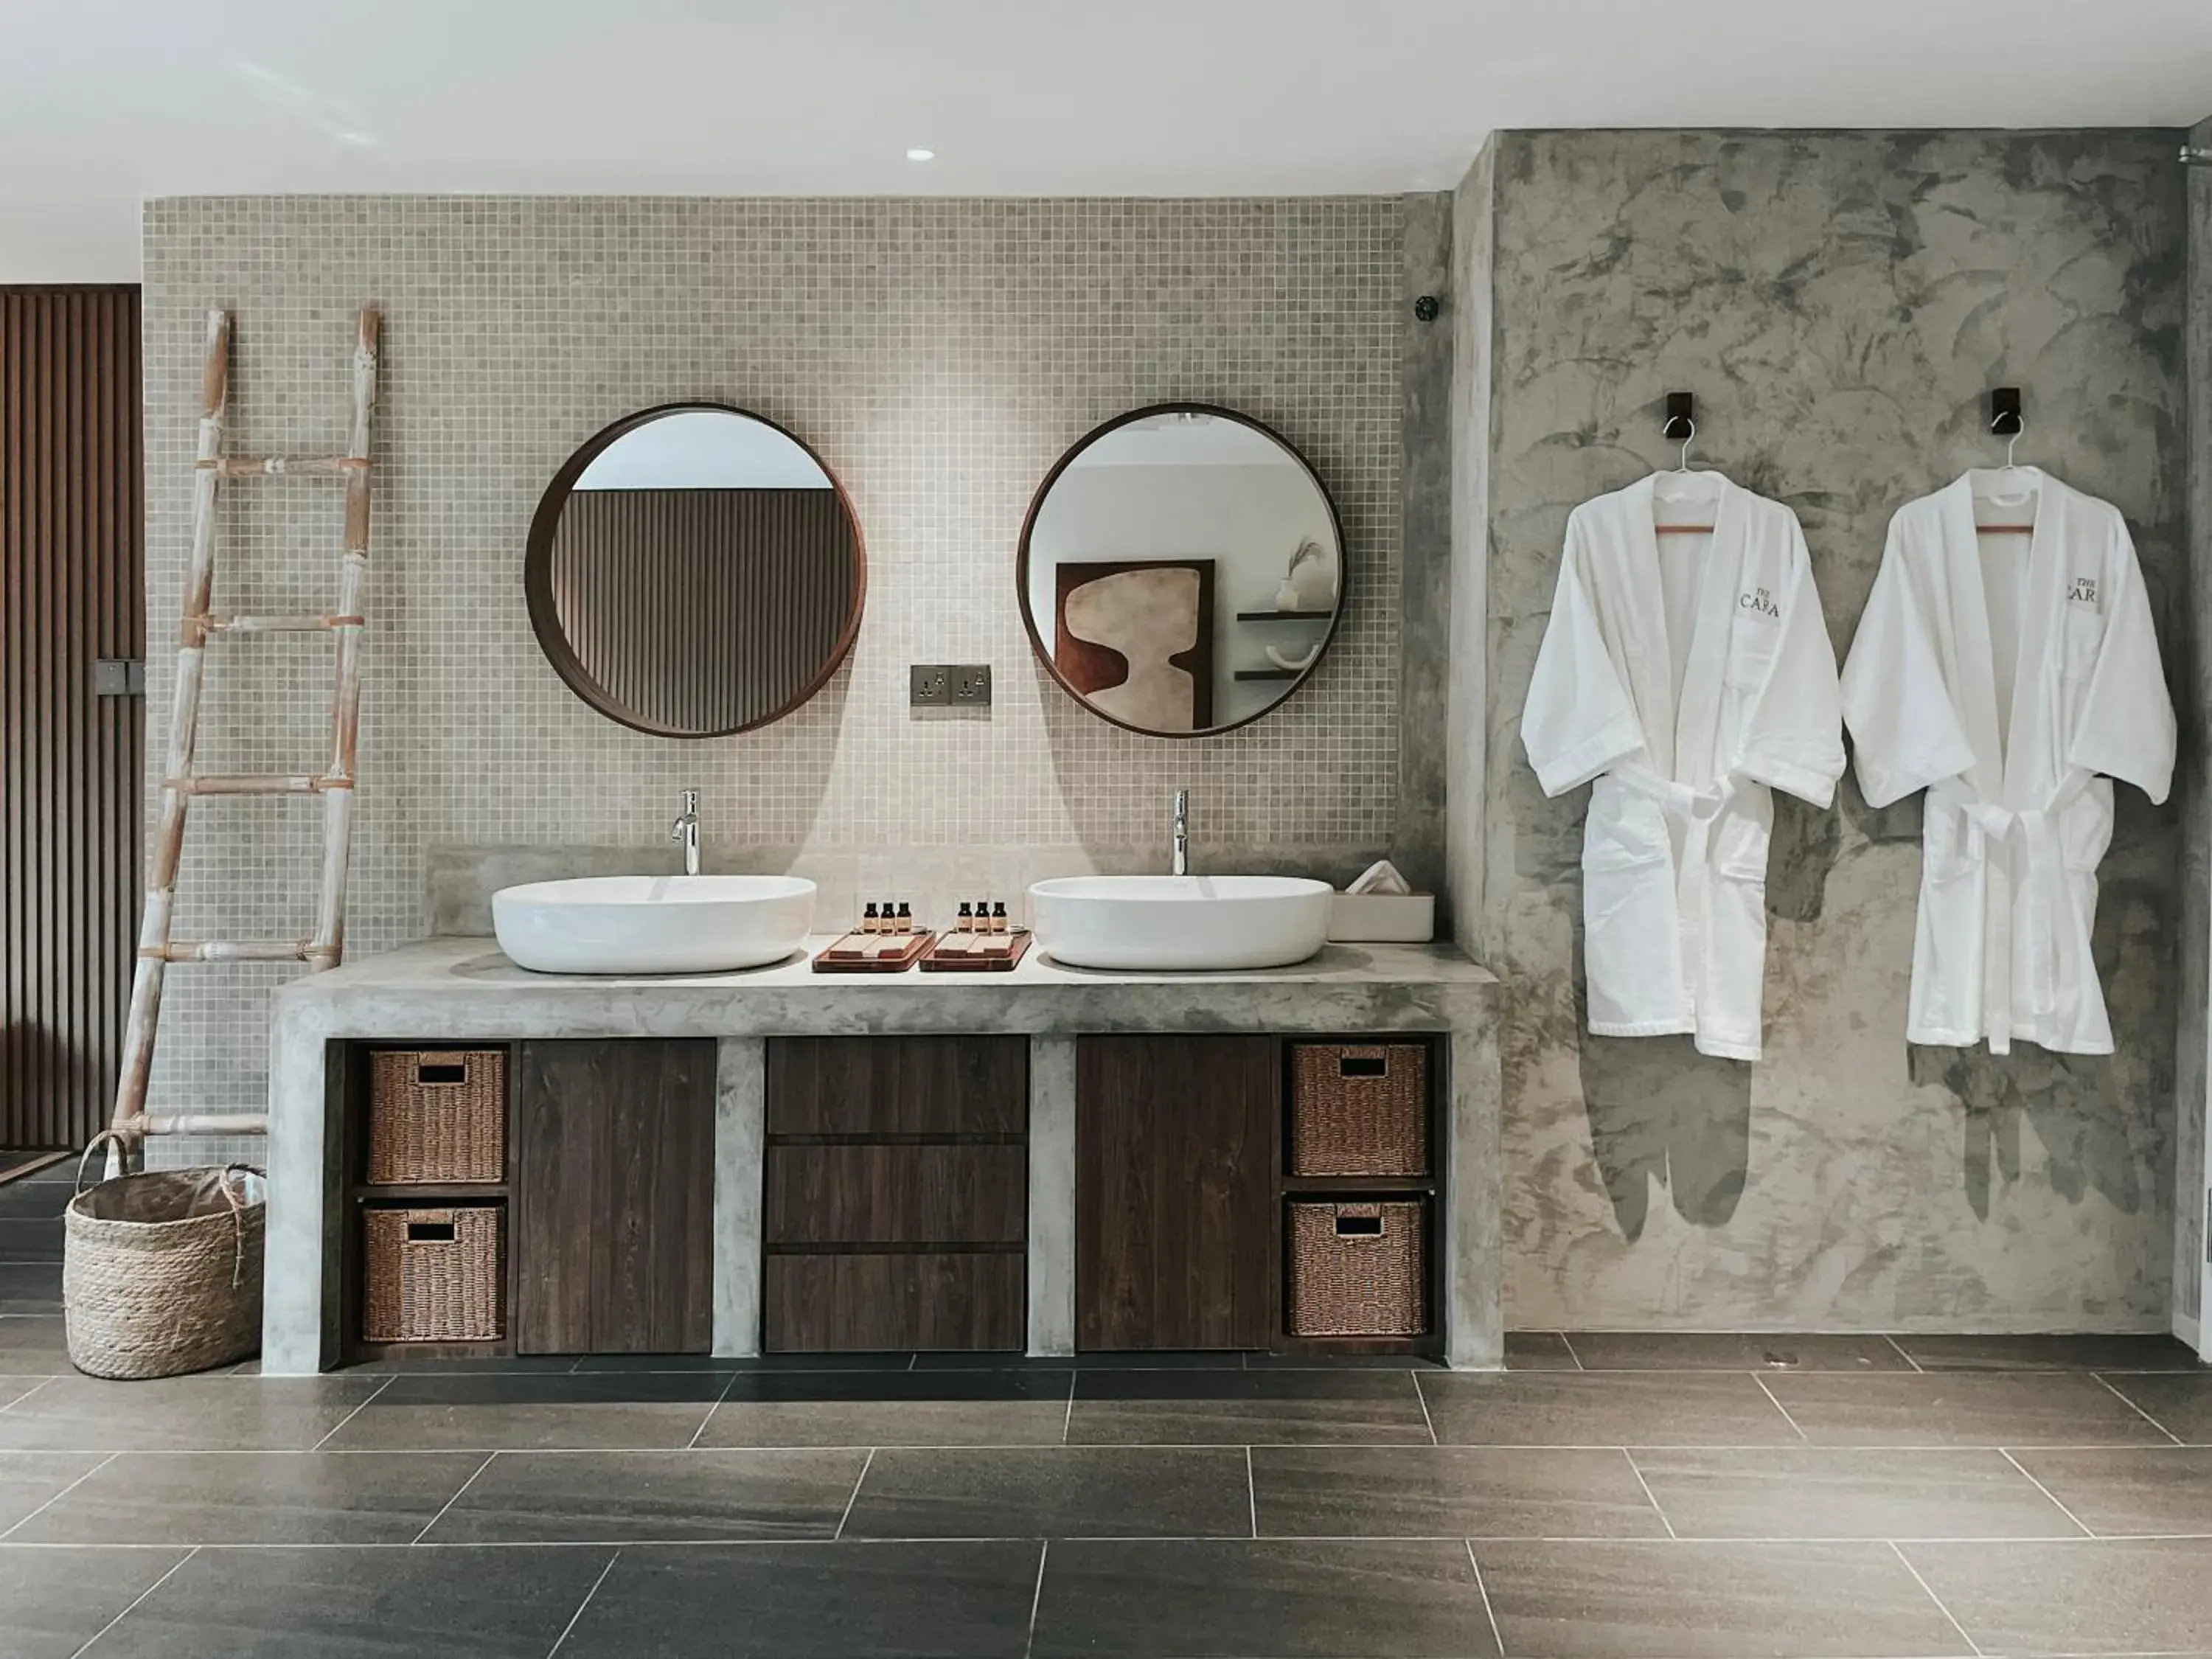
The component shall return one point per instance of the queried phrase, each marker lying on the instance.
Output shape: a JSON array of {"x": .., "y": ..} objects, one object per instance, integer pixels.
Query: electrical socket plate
[
  {"x": 971, "y": 685},
  {"x": 929, "y": 684}
]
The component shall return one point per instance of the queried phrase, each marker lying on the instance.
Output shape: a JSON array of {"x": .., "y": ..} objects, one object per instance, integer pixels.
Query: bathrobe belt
[
  {"x": 1993, "y": 847},
  {"x": 1696, "y": 808}
]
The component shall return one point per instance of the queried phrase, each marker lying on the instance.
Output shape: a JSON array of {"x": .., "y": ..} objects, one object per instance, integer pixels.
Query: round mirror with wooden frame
[
  {"x": 1181, "y": 570},
  {"x": 695, "y": 570}
]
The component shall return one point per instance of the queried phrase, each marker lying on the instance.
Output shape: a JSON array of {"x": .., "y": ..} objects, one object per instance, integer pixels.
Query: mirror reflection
[
  {"x": 1182, "y": 570},
  {"x": 695, "y": 571}
]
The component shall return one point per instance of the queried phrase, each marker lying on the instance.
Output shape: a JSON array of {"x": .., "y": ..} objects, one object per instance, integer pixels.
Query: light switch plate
[{"x": 118, "y": 677}]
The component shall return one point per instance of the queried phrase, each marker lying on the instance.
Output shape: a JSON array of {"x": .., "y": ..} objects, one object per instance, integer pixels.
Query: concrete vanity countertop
[{"x": 462, "y": 988}]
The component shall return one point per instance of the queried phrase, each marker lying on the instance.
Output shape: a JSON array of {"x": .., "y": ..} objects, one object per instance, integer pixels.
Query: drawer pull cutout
[
  {"x": 1363, "y": 1066},
  {"x": 1359, "y": 1226},
  {"x": 444, "y": 1072},
  {"x": 441, "y": 1232}
]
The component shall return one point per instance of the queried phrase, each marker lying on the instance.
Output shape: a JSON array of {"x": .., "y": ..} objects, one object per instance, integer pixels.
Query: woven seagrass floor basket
[{"x": 162, "y": 1273}]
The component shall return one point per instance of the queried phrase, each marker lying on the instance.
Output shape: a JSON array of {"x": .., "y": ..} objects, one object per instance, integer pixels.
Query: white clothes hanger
[
  {"x": 2011, "y": 466},
  {"x": 1683, "y": 472}
]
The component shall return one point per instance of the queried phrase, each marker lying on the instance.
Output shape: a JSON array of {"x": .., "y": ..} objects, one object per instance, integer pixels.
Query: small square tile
[
  {"x": 1379, "y": 1599},
  {"x": 255, "y": 1498},
  {"x": 1448, "y": 1491},
  {"x": 2090, "y": 1596},
  {"x": 1693, "y": 1601},
  {"x": 646, "y": 1495},
  {"x": 811, "y": 1601},
  {"x": 1962, "y": 1408},
  {"x": 1799, "y": 1492},
  {"x": 1237, "y": 1408},
  {"x": 1088, "y": 1492}
]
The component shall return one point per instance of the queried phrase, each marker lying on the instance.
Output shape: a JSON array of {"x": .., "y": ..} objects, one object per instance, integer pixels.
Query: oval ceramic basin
[
  {"x": 653, "y": 924},
  {"x": 1180, "y": 922}
]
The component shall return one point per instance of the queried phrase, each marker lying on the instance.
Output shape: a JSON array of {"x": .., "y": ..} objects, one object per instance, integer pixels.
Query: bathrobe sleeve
[
  {"x": 1793, "y": 736},
  {"x": 2125, "y": 726},
  {"x": 1579, "y": 720},
  {"x": 1896, "y": 701}
]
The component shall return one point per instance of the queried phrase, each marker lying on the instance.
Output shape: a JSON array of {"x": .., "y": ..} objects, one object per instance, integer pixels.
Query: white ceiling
[{"x": 104, "y": 102}]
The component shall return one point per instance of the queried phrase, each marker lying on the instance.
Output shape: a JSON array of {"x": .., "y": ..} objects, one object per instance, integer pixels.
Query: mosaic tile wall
[{"x": 940, "y": 355}]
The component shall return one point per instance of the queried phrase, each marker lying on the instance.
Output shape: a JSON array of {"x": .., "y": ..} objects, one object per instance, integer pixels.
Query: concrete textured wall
[
  {"x": 2194, "y": 988},
  {"x": 940, "y": 355},
  {"x": 1840, "y": 303},
  {"x": 1468, "y": 696}
]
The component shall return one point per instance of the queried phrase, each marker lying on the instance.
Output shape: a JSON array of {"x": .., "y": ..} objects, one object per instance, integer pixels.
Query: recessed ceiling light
[{"x": 918, "y": 153}]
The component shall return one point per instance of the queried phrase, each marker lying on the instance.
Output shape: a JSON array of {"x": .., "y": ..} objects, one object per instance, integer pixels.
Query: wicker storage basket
[
  {"x": 436, "y": 1115},
  {"x": 1359, "y": 1109},
  {"x": 162, "y": 1273},
  {"x": 1360, "y": 1269},
  {"x": 432, "y": 1275}
]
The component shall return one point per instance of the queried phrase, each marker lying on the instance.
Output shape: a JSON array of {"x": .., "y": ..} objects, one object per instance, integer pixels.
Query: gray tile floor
[{"x": 1611, "y": 1494}]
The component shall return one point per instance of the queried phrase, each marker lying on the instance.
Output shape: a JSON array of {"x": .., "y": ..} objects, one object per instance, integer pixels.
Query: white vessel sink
[
  {"x": 1180, "y": 922},
  {"x": 653, "y": 924}
]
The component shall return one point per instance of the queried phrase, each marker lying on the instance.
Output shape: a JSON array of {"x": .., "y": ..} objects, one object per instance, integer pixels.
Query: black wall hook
[
  {"x": 2004, "y": 412},
  {"x": 1682, "y": 416},
  {"x": 1426, "y": 308}
]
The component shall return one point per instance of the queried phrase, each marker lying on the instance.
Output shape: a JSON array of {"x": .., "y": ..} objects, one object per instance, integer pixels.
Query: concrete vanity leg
[
  {"x": 1474, "y": 1207},
  {"x": 1052, "y": 1195},
  {"x": 740, "y": 1151},
  {"x": 300, "y": 1299}
]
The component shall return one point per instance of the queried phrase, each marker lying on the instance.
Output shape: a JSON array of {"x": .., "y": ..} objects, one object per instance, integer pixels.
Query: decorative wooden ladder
[{"x": 335, "y": 784}]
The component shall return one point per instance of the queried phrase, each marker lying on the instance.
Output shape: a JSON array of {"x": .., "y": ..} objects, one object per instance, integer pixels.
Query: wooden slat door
[
  {"x": 1174, "y": 1192},
  {"x": 72, "y": 576},
  {"x": 613, "y": 1196}
]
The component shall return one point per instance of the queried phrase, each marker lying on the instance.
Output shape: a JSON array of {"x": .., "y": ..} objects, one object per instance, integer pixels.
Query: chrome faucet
[
  {"x": 686, "y": 829},
  {"x": 1179, "y": 845}
]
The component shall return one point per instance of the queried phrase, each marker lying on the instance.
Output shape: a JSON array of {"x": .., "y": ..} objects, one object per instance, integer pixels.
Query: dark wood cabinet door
[
  {"x": 898, "y": 1085},
  {"x": 613, "y": 1196},
  {"x": 867, "y": 1302},
  {"x": 1175, "y": 1191}
]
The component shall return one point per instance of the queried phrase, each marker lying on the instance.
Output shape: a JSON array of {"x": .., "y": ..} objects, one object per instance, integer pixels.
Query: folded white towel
[{"x": 1380, "y": 877}]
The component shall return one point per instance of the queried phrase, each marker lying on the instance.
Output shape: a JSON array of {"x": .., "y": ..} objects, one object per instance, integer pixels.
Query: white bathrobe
[
  {"x": 1684, "y": 677},
  {"x": 2004, "y": 679}
]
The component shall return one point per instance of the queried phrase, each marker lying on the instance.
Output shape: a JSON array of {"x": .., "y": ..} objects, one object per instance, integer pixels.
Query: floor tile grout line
[
  {"x": 2005, "y": 1453},
  {"x": 1421, "y": 1394},
  {"x": 373, "y": 1395},
  {"x": 1567, "y": 1343},
  {"x": 866, "y": 1463},
  {"x": 1252, "y": 1492},
  {"x": 569, "y": 1629},
  {"x": 2138, "y": 1410},
  {"x": 1067, "y": 1419},
  {"x": 28, "y": 1392},
  {"x": 1905, "y": 1560},
  {"x": 1483, "y": 1590},
  {"x": 714, "y": 1405},
  {"x": 9, "y": 1532},
  {"x": 448, "y": 1506},
  {"x": 136, "y": 1603},
  {"x": 1905, "y": 1357},
  {"x": 1636, "y": 1470},
  {"x": 1779, "y": 1406},
  {"x": 1036, "y": 1596}
]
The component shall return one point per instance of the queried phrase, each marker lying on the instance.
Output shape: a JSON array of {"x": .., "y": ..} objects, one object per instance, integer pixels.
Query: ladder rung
[
  {"x": 267, "y": 467},
  {"x": 256, "y": 784},
  {"x": 234, "y": 949},
  {"x": 214, "y": 624}
]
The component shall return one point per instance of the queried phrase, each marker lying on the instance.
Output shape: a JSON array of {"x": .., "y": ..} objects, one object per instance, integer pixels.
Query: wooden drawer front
[
  {"x": 873, "y": 1085},
  {"x": 850, "y": 1303},
  {"x": 895, "y": 1194}
]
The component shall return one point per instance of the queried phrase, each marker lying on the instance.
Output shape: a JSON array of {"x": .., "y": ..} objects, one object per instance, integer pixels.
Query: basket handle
[
  {"x": 1363, "y": 1065},
  {"x": 91, "y": 1146},
  {"x": 1358, "y": 1226}
]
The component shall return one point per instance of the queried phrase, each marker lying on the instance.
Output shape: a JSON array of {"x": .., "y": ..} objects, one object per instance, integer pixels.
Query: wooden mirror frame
[
  {"x": 1036, "y": 505},
  {"x": 538, "y": 573}
]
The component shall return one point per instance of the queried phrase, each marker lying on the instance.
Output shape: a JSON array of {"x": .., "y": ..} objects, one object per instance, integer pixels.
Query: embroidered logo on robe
[
  {"x": 2082, "y": 590},
  {"x": 1759, "y": 602}
]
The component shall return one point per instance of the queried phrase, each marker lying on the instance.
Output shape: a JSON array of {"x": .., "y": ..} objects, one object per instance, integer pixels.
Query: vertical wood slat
[{"x": 71, "y": 576}]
